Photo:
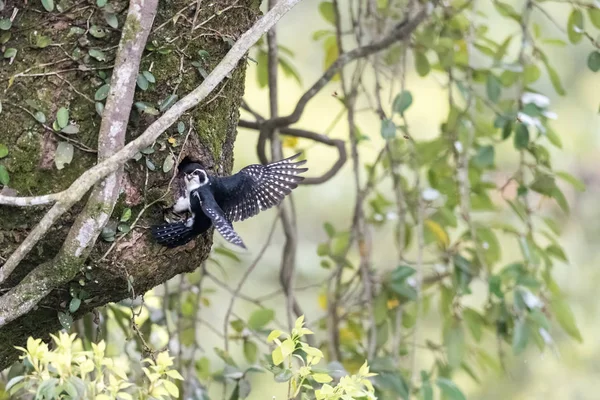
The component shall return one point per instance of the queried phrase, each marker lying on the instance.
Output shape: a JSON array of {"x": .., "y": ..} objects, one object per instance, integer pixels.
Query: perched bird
[{"x": 219, "y": 201}]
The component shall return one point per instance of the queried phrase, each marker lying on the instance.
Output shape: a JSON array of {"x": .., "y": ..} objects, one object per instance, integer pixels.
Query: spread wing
[
  {"x": 215, "y": 213},
  {"x": 257, "y": 187}
]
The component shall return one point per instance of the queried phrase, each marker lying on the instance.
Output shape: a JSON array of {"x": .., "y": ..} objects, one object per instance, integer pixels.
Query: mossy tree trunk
[{"x": 63, "y": 57}]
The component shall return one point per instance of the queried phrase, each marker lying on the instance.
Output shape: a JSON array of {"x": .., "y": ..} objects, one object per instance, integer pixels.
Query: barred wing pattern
[
  {"x": 214, "y": 212},
  {"x": 259, "y": 187}
]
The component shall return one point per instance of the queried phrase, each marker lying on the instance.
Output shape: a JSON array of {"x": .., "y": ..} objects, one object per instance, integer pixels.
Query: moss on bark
[{"x": 31, "y": 146}]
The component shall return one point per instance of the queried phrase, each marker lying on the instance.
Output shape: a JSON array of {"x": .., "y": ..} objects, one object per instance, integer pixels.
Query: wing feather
[{"x": 258, "y": 187}]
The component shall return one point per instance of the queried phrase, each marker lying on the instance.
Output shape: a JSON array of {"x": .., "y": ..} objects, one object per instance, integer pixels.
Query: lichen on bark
[{"x": 31, "y": 149}]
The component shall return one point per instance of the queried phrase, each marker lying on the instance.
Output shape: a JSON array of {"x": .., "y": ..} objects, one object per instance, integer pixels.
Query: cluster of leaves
[
  {"x": 305, "y": 378},
  {"x": 523, "y": 304},
  {"x": 69, "y": 372}
]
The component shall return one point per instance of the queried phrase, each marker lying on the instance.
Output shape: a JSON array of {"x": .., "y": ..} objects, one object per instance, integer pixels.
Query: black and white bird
[{"x": 219, "y": 201}]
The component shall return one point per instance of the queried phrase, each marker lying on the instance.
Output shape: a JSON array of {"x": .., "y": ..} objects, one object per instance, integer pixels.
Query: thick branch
[
  {"x": 82, "y": 184},
  {"x": 111, "y": 138}
]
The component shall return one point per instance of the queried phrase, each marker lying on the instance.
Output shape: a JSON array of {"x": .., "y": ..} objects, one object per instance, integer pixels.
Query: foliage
[
  {"x": 306, "y": 378},
  {"x": 69, "y": 372}
]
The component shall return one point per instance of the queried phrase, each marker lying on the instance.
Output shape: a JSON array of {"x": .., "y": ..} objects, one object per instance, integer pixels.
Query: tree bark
[{"x": 134, "y": 261}]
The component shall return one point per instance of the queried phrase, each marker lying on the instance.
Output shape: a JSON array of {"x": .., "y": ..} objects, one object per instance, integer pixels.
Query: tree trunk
[{"x": 42, "y": 79}]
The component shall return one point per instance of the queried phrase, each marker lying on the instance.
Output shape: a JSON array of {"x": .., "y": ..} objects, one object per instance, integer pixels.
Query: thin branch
[
  {"x": 400, "y": 32},
  {"x": 243, "y": 280},
  {"x": 11, "y": 304},
  {"x": 340, "y": 145}
]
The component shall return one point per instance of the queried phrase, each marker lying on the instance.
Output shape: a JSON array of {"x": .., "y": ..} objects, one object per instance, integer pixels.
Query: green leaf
[
  {"x": 101, "y": 3},
  {"x": 521, "y": 138},
  {"x": 402, "y": 272},
  {"x": 63, "y": 155},
  {"x": 180, "y": 127},
  {"x": 40, "y": 117},
  {"x": 70, "y": 129},
  {"x": 5, "y": 24},
  {"x": 4, "y": 178},
  {"x": 485, "y": 157},
  {"x": 475, "y": 323},
  {"x": 223, "y": 355},
  {"x": 3, "y": 150},
  {"x": 331, "y": 54},
  {"x": 454, "y": 340},
  {"x": 260, "y": 318},
  {"x": 274, "y": 335},
  {"x": 168, "y": 102},
  {"x": 262, "y": 69},
  {"x": 149, "y": 77},
  {"x": 142, "y": 82},
  {"x": 327, "y": 11},
  {"x": 150, "y": 165},
  {"x": 576, "y": 183},
  {"x": 284, "y": 375},
  {"x": 328, "y": 228},
  {"x": 450, "y": 389},
  {"x": 593, "y": 61},
  {"x": 111, "y": 20},
  {"x": 48, "y": 5},
  {"x": 10, "y": 52},
  {"x": 125, "y": 215},
  {"x": 62, "y": 117},
  {"x": 594, "y": 14},
  {"x": 250, "y": 351},
  {"x": 402, "y": 102},
  {"x": 506, "y": 10},
  {"x": 99, "y": 108},
  {"x": 227, "y": 253},
  {"x": 531, "y": 74},
  {"x": 322, "y": 378},
  {"x": 422, "y": 63},
  {"x": 564, "y": 316},
  {"x": 171, "y": 388},
  {"x": 289, "y": 70},
  {"x": 560, "y": 198},
  {"x": 97, "y": 32},
  {"x": 97, "y": 54},
  {"x": 65, "y": 319},
  {"x": 426, "y": 391},
  {"x": 168, "y": 163},
  {"x": 555, "y": 79},
  {"x": 543, "y": 184},
  {"x": 520, "y": 336},
  {"x": 388, "y": 129},
  {"x": 575, "y": 26},
  {"x": 74, "y": 304},
  {"x": 493, "y": 88},
  {"x": 277, "y": 356}
]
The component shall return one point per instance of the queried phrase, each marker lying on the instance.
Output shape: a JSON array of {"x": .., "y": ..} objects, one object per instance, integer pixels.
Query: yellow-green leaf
[
  {"x": 577, "y": 184},
  {"x": 575, "y": 26},
  {"x": 564, "y": 316},
  {"x": 322, "y": 378},
  {"x": 439, "y": 232},
  {"x": 171, "y": 388},
  {"x": 327, "y": 11}
]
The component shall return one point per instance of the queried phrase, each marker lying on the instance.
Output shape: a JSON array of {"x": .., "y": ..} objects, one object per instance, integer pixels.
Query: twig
[
  {"x": 301, "y": 133},
  {"x": 243, "y": 280},
  {"x": 75, "y": 143}
]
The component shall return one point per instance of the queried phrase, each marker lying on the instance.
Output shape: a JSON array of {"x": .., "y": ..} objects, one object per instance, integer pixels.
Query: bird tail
[{"x": 173, "y": 234}]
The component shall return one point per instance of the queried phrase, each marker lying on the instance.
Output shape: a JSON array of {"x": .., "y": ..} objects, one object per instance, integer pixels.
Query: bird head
[{"x": 194, "y": 177}]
